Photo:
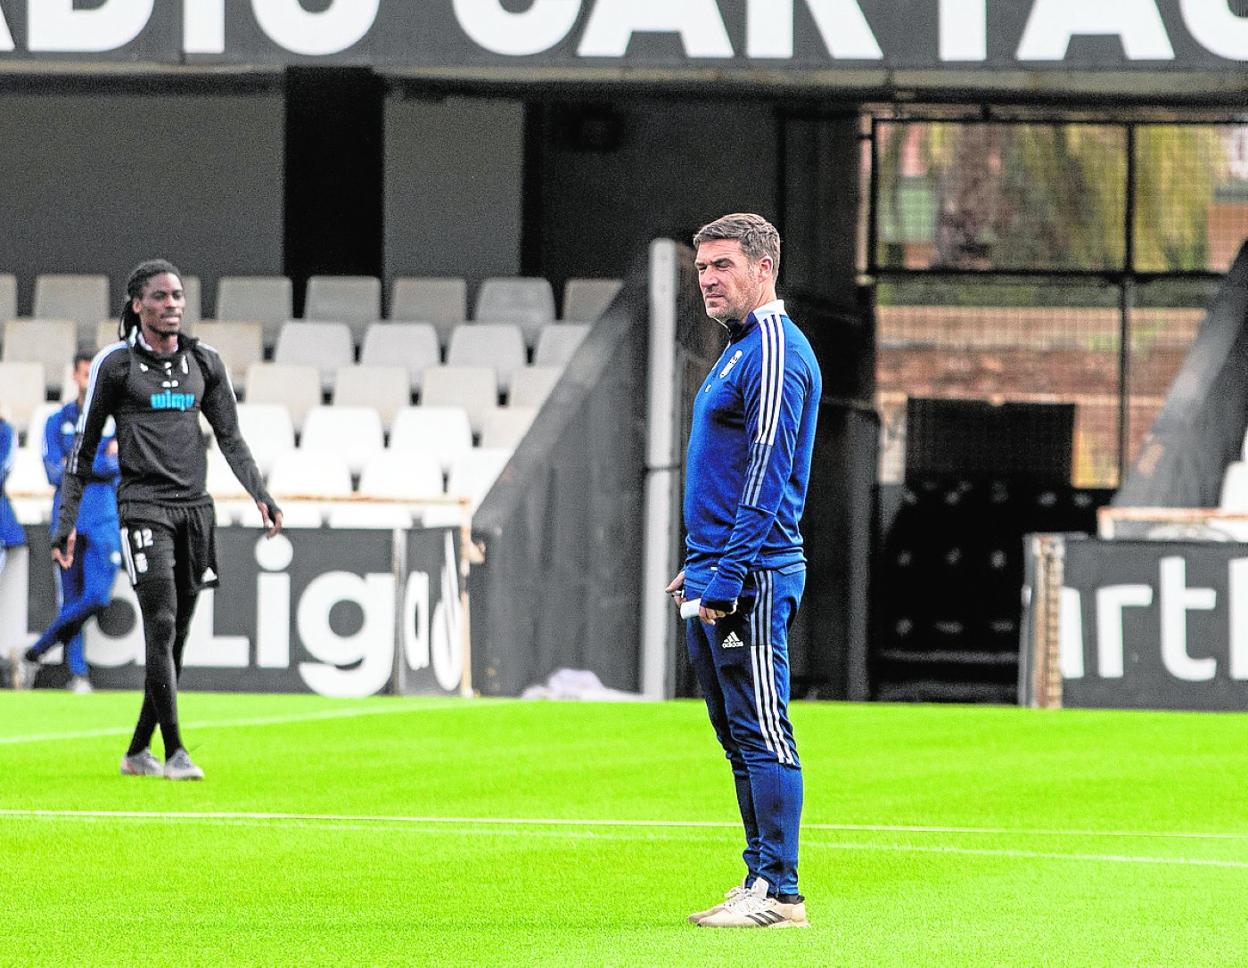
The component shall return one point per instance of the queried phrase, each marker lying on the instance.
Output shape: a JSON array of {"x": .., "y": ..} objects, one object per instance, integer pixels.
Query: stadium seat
[
  {"x": 383, "y": 388},
  {"x": 442, "y": 433},
  {"x": 557, "y": 343},
  {"x": 326, "y": 346},
  {"x": 300, "y": 478},
  {"x": 298, "y": 388},
  {"x": 442, "y": 300},
  {"x": 505, "y": 427},
  {"x": 474, "y": 473},
  {"x": 21, "y": 392},
  {"x": 105, "y": 333},
  {"x": 531, "y": 385},
  {"x": 194, "y": 311},
  {"x": 82, "y": 298},
  {"x": 399, "y": 476},
  {"x": 221, "y": 482},
  {"x": 28, "y": 488},
  {"x": 268, "y": 430},
  {"x": 1234, "y": 495},
  {"x": 402, "y": 475},
  {"x": 584, "y": 300},
  {"x": 412, "y": 345},
  {"x": 526, "y": 300},
  {"x": 48, "y": 342},
  {"x": 354, "y": 300},
  {"x": 33, "y": 438},
  {"x": 474, "y": 388},
  {"x": 263, "y": 299},
  {"x": 239, "y": 344},
  {"x": 8, "y": 295},
  {"x": 352, "y": 434},
  {"x": 497, "y": 345}
]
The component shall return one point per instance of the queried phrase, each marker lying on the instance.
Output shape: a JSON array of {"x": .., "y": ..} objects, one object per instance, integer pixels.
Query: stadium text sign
[
  {"x": 636, "y": 33},
  {"x": 339, "y": 613},
  {"x": 1154, "y": 624}
]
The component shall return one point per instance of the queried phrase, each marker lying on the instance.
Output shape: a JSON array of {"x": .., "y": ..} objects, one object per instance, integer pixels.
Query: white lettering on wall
[
  {"x": 1176, "y": 601},
  {"x": 1216, "y": 28},
  {"x": 350, "y": 666},
  {"x": 208, "y": 650},
  {"x": 532, "y": 31},
  {"x": 1070, "y": 633},
  {"x": 1237, "y": 617},
  {"x": 203, "y": 26},
  {"x": 273, "y": 602},
  {"x": 1054, "y": 22},
  {"x": 844, "y": 29},
  {"x": 613, "y": 22},
  {"x": 340, "y": 25},
  {"x": 55, "y": 26},
  {"x": 963, "y": 30},
  {"x": 1110, "y": 603}
]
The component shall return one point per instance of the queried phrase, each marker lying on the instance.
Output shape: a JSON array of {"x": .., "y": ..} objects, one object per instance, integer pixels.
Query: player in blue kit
[
  {"x": 746, "y": 473},
  {"x": 11, "y": 534},
  {"x": 87, "y": 586}
]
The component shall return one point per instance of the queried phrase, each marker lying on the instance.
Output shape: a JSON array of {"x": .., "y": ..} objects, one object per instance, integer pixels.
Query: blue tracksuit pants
[
  {"x": 86, "y": 588},
  {"x": 742, "y": 664}
]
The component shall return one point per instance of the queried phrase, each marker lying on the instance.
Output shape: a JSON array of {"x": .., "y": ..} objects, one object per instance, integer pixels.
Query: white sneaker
[
  {"x": 24, "y": 671},
  {"x": 754, "y": 909},
  {"x": 141, "y": 764},
  {"x": 735, "y": 891},
  {"x": 180, "y": 767},
  {"x": 80, "y": 685}
]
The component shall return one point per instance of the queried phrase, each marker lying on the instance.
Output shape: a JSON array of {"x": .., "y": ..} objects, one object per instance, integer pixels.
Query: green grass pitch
[{"x": 452, "y": 832}]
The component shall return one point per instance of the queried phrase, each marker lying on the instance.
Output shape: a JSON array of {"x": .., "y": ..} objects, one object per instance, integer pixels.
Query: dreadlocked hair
[{"x": 134, "y": 290}]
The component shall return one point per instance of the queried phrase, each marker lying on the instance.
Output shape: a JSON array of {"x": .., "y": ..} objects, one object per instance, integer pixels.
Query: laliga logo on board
[
  {"x": 57, "y": 26},
  {"x": 343, "y": 665}
]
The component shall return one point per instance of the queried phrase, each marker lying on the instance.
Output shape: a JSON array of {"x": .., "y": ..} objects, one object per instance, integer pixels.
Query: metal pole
[
  {"x": 1126, "y": 301},
  {"x": 657, "y": 565}
]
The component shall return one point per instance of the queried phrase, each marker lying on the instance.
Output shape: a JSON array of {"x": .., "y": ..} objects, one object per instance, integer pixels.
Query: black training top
[{"x": 156, "y": 401}]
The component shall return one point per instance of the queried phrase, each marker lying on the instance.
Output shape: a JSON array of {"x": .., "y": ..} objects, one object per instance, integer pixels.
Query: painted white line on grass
[
  {"x": 351, "y": 713},
  {"x": 529, "y": 822},
  {"x": 494, "y": 828}
]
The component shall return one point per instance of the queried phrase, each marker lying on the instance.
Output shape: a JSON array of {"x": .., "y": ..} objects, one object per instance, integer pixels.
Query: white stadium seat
[
  {"x": 411, "y": 345},
  {"x": 1235, "y": 487},
  {"x": 354, "y": 300},
  {"x": 240, "y": 344},
  {"x": 326, "y": 346},
  {"x": 383, "y": 388},
  {"x": 497, "y": 345},
  {"x": 531, "y": 385},
  {"x": 48, "y": 342},
  {"x": 82, "y": 298},
  {"x": 474, "y": 473},
  {"x": 38, "y": 423},
  {"x": 21, "y": 391},
  {"x": 505, "y": 427},
  {"x": 298, "y": 388},
  {"x": 584, "y": 300},
  {"x": 268, "y": 430},
  {"x": 300, "y": 477},
  {"x": 402, "y": 475},
  {"x": 526, "y": 300},
  {"x": 28, "y": 488},
  {"x": 8, "y": 295},
  {"x": 440, "y": 433},
  {"x": 441, "y": 300},
  {"x": 353, "y": 434},
  {"x": 263, "y": 299},
  {"x": 557, "y": 342},
  {"x": 474, "y": 388}
]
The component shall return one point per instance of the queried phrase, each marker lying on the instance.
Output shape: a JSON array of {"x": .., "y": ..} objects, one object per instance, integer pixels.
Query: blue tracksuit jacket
[
  {"x": 749, "y": 456},
  {"x": 99, "y": 498}
]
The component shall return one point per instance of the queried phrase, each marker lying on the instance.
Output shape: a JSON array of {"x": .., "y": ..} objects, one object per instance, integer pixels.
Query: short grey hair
[{"x": 757, "y": 236}]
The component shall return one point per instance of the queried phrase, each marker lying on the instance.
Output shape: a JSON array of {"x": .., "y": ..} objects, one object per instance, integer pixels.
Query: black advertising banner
[
  {"x": 720, "y": 37},
  {"x": 1154, "y": 625},
  {"x": 343, "y": 613}
]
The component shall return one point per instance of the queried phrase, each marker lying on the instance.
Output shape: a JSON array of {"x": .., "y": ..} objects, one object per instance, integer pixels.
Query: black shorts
[{"x": 170, "y": 542}]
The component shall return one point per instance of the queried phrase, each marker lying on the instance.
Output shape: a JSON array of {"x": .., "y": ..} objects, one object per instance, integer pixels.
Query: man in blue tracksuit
[
  {"x": 11, "y": 534},
  {"x": 745, "y": 486},
  {"x": 87, "y": 586}
]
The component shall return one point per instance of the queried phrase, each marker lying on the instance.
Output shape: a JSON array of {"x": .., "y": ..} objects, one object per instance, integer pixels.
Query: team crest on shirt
[{"x": 730, "y": 364}]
